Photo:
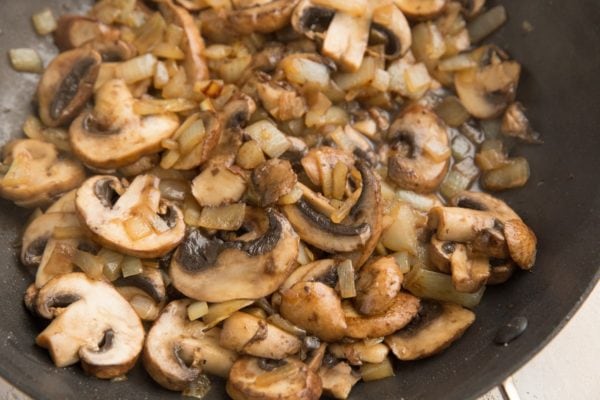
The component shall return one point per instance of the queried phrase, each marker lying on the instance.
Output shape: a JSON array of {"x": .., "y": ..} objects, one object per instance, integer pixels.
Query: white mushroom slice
[
  {"x": 65, "y": 204},
  {"x": 39, "y": 231},
  {"x": 315, "y": 307},
  {"x": 73, "y": 31},
  {"x": 359, "y": 352},
  {"x": 420, "y": 151},
  {"x": 460, "y": 224},
  {"x": 261, "y": 379},
  {"x": 389, "y": 25},
  {"x": 469, "y": 274},
  {"x": 136, "y": 223},
  {"x": 247, "y": 334},
  {"x": 37, "y": 175},
  {"x": 217, "y": 186},
  {"x": 177, "y": 350},
  {"x": 346, "y": 39},
  {"x": 67, "y": 85},
  {"x": 91, "y": 323},
  {"x": 399, "y": 314},
  {"x": 421, "y": 9},
  {"x": 145, "y": 291},
  {"x": 272, "y": 179},
  {"x": 377, "y": 286},
  {"x": 213, "y": 270},
  {"x": 279, "y": 98},
  {"x": 112, "y": 135},
  {"x": 264, "y": 16},
  {"x": 338, "y": 380},
  {"x": 437, "y": 327}
]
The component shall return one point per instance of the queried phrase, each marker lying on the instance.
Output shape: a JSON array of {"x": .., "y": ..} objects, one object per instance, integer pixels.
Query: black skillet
[{"x": 561, "y": 88}]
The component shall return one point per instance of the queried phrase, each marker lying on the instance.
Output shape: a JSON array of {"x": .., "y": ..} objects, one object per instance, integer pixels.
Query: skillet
[{"x": 560, "y": 86}]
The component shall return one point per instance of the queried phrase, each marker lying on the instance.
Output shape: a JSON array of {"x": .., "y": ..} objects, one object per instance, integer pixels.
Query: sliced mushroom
[
  {"x": 141, "y": 166},
  {"x": 311, "y": 19},
  {"x": 112, "y": 50},
  {"x": 203, "y": 150},
  {"x": 520, "y": 239},
  {"x": 193, "y": 44},
  {"x": 67, "y": 85},
  {"x": 177, "y": 350},
  {"x": 237, "y": 112},
  {"x": 136, "y": 223},
  {"x": 91, "y": 323},
  {"x": 39, "y": 231},
  {"x": 421, "y": 9},
  {"x": 440, "y": 252},
  {"x": 358, "y": 234},
  {"x": 399, "y": 314},
  {"x": 73, "y": 31},
  {"x": 324, "y": 271},
  {"x": 260, "y": 379},
  {"x": 469, "y": 274},
  {"x": 516, "y": 124},
  {"x": 390, "y": 27},
  {"x": 247, "y": 334},
  {"x": 264, "y": 16},
  {"x": 487, "y": 90},
  {"x": 338, "y": 380},
  {"x": 214, "y": 270},
  {"x": 272, "y": 179},
  {"x": 459, "y": 224},
  {"x": 112, "y": 135},
  {"x": 279, "y": 98},
  {"x": 145, "y": 291},
  {"x": 347, "y": 39},
  {"x": 359, "y": 352},
  {"x": 377, "y": 286},
  {"x": 316, "y": 307},
  {"x": 218, "y": 185},
  {"x": 65, "y": 204},
  {"x": 436, "y": 327},
  {"x": 420, "y": 151},
  {"x": 500, "y": 271},
  {"x": 37, "y": 173}
]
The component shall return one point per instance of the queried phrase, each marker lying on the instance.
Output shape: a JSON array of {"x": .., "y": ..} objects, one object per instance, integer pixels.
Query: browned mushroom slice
[
  {"x": 311, "y": 19},
  {"x": 440, "y": 252},
  {"x": 214, "y": 270},
  {"x": 279, "y": 98},
  {"x": 202, "y": 151},
  {"x": 436, "y": 327},
  {"x": 420, "y": 151},
  {"x": 263, "y": 16},
  {"x": 65, "y": 204},
  {"x": 75, "y": 30},
  {"x": 91, "y": 323},
  {"x": 359, "y": 352},
  {"x": 399, "y": 313},
  {"x": 273, "y": 179},
  {"x": 377, "y": 286},
  {"x": 390, "y": 27},
  {"x": 67, "y": 84},
  {"x": 218, "y": 185},
  {"x": 248, "y": 334},
  {"x": 500, "y": 271},
  {"x": 37, "y": 174},
  {"x": 145, "y": 291},
  {"x": 193, "y": 44},
  {"x": 338, "y": 380},
  {"x": 316, "y": 307},
  {"x": 177, "y": 350},
  {"x": 261, "y": 379},
  {"x": 136, "y": 222},
  {"x": 237, "y": 112},
  {"x": 421, "y": 9},
  {"x": 112, "y": 135},
  {"x": 469, "y": 273}
]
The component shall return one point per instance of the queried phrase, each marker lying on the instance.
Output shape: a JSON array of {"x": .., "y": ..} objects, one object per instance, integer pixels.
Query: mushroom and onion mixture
[{"x": 276, "y": 192}]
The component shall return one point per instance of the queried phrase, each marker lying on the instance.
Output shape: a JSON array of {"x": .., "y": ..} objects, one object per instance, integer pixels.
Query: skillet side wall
[{"x": 560, "y": 86}]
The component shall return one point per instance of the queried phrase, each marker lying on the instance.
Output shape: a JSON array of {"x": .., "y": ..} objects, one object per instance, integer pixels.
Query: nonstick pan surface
[{"x": 560, "y": 87}]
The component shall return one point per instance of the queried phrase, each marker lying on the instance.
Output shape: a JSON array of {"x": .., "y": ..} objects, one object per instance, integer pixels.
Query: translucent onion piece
[
  {"x": 271, "y": 140},
  {"x": 225, "y": 218},
  {"x": 403, "y": 261},
  {"x": 220, "y": 311},
  {"x": 131, "y": 266},
  {"x": 137, "y": 227},
  {"x": 44, "y": 22},
  {"x": 67, "y": 232},
  {"x": 452, "y": 111},
  {"x": 454, "y": 183},
  {"x": 88, "y": 263},
  {"x": 137, "y": 69},
  {"x": 373, "y": 372},
  {"x": 345, "y": 272},
  {"x": 401, "y": 235},
  {"x": 486, "y": 23},
  {"x": 26, "y": 60},
  {"x": 515, "y": 173},
  {"x": 143, "y": 306},
  {"x": 159, "y": 106},
  {"x": 250, "y": 155},
  {"x": 197, "y": 310}
]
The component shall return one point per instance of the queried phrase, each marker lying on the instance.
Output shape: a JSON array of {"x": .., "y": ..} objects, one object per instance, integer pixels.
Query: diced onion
[
  {"x": 143, "y": 306},
  {"x": 490, "y": 159},
  {"x": 26, "y": 60},
  {"x": 159, "y": 106},
  {"x": 161, "y": 75},
  {"x": 345, "y": 272},
  {"x": 417, "y": 80},
  {"x": 172, "y": 189},
  {"x": 131, "y": 266},
  {"x": 360, "y": 78},
  {"x": 67, "y": 232},
  {"x": 457, "y": 63},
  {"x": 137, "y": 227},
  {"x": 373, "y": 372},
  {"x": 219, "y": 311},
  {"x": 32, "y": 127},
  {"x": 197, "y": 310},
  {"x": 217, "y": 51},
  {"x": 452, "y": 111},
  {"x": 486, "y": 23},
  {"x": 169, "y": 159},
  {"x": 305, "y": 256},
  {"x": 454, "y": 183},
  {"x": 271, "y": 140},
  {"x": 44, "y": 22},
  {"x": 461, "y": 148},
  {"x": 417, "y": 201},
  {"x": 169, "y": 51},
  {"x": 301, "y": 71},
  {"x": 339, "y": 179},
  {"x": 112, "y": 263},
  {"x": 150, "y": 34},
  {"x": 437, "y": 150},
  {"x": 225, "y": 218},
  {"x": 515, "y": 173},
  {"x": 137, "y": 69},
  {"x": 437, "y": 286},
  {"x": 403, "y": 261},
  {"x": 401, "y": 235},
  {"x": 88, "y": 263},
  {"x": 250, "y": 155},
  {"x": 191, "y": 211},
  {"x": 198, "y": 388}
]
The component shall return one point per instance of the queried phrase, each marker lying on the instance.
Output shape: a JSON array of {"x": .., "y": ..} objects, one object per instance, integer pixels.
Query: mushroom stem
[{"x": 459, "y": 224}]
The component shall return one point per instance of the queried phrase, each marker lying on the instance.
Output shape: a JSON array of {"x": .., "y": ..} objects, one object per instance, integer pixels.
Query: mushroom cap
[
  {"x": 91, "y": 323},
  {"x": 177, "y": 350},
  {"x": 402, "y": 310},
  {"x": 247, "y": 334},
  {"x": 37, "y": 174},
  {"x": 64, "y": 204},
  {"x": 378, "y": 284},
  {"x": 254, "y": 379},
  {"x": 213, "y": 270},
  {"x": 437, "y": 327},
  {"x": 272, "y": 179},
  {"x": 390, "y": 24},
  {"x": 112, "y": 135},
  {"x": 521, "y": 242},
  {"x": 74, "y": 30},
  {"x": 316, "y": 307},
  {"x": 309, "y": 18},
  {"x": 66, "y": 85},
  {"x": 106, "y": 219},
  {"x": 421, "y": 9},
  {"x": 414, "y": 168},
  {"x": 39, "y": 231},
  {"x": 338, "y": 380},
  {"x": 264, "y": 17}
]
